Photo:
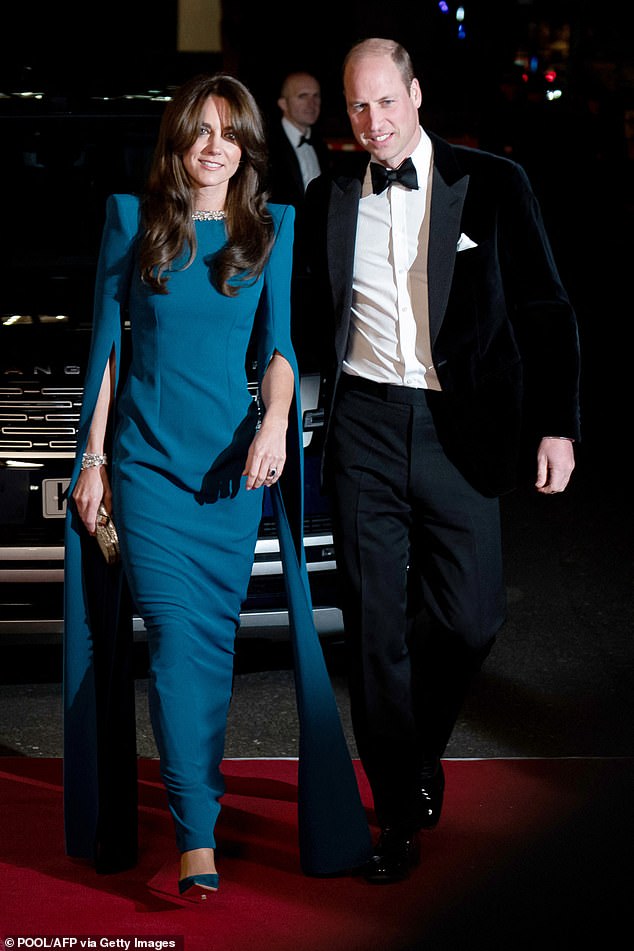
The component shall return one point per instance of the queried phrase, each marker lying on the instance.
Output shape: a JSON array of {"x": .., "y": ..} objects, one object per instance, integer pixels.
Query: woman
[{"x": 197, "y": 264}]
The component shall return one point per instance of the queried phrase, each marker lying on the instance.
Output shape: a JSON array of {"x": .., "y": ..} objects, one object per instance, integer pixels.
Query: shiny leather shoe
[
  {"x": 395, "y": 854},
  {"x": 430, "y": 795}
]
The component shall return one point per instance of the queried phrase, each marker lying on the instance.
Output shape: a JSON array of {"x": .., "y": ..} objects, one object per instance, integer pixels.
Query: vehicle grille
[
  {"x": 319, "y": 524},
  {"x": 38, "y": 419},
  {"x": 44, "y": 419}
]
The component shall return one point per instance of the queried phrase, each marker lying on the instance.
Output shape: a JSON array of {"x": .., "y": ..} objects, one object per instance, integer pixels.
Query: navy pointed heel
[{"x": 198, "y": 886}]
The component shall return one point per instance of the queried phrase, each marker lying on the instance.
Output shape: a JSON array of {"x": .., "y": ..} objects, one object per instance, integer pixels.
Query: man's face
[
  {"x": 301, "y": 102},
  {"x": 383, "y": 112}
]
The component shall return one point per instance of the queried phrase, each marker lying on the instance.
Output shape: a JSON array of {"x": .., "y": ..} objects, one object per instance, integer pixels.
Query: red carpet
[{"x": 528, "y": 854}]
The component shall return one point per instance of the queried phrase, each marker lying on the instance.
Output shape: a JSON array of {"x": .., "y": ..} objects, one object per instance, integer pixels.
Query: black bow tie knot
[
  {"x": 405, "y": 174},
  {"x": 304, "y": 140}
]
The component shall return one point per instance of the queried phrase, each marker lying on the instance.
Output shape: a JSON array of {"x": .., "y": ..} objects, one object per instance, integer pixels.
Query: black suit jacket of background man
[{"x": 286, "y": 186}]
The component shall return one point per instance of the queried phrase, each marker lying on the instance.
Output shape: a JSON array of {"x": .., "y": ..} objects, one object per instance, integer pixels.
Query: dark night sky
[
  {"x": 575, "y": 153},
  {"x": 132, "y": 43},
  {"x": 130, "y": 47}
]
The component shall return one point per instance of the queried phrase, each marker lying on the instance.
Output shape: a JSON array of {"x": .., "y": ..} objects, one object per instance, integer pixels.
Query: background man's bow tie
[
  {"x": 382, "y": 176},
  {"x": 304, "y": 140}
]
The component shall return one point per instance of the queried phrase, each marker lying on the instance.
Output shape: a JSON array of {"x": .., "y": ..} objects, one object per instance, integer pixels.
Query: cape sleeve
[
  {"x": 333, "y": 828},
  {"x": 100, "y": 820}
]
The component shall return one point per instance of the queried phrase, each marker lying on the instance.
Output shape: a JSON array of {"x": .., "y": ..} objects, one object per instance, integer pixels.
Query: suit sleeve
[{"x": 543, "y": 316}]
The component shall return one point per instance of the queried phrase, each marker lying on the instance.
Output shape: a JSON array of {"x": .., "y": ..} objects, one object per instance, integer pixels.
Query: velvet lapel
[
  {"x": 342, "y": 227},
  {"x": 292, "y": 164},
  {"x": 449, "y": 189}
]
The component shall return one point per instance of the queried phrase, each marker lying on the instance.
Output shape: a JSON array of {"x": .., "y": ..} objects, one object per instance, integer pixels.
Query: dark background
[
  {"x": 578, "y": 149},
  {"x": 120, "y": 45},
  {"x": 560, "y": 680}
]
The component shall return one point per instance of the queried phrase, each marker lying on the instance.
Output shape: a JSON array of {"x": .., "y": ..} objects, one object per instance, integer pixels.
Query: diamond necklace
[{"x": 208, "y": 215}]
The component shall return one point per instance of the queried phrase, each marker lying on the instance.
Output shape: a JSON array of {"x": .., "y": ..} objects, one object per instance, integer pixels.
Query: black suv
[{"x": 59, "y": 162}]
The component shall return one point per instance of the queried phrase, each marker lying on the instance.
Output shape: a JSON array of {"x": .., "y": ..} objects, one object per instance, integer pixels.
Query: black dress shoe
[
  {"x": 394, "y": 855},
  {"x": 430, "y": 795}
]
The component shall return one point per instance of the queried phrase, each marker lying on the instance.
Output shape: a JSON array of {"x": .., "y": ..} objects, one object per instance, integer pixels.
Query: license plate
[{"x": 54, "y": 497}]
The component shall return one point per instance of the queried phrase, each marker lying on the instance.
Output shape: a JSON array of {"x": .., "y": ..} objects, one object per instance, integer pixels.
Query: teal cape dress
[{"x": 178, "y": 439}]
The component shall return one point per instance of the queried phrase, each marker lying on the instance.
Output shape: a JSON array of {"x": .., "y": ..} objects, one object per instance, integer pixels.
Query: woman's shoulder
[
  {"x": 281, "y": 212},
  {"x": 125, "y": 202},
  {"x": 125, "y": 208}
]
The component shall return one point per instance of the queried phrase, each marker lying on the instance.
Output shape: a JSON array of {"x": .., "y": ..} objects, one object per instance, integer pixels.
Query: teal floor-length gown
[
  {"x": 184, "y": 422},
  {"x": 188, "y": 526}
]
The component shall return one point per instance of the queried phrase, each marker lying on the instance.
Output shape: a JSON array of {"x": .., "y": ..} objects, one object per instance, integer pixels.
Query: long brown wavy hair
[{"x": 167, "y": 228}]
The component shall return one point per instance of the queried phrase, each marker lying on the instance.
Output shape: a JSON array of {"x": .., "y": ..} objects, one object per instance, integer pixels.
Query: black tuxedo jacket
[
  {"x": 285, "y": 183},
  {"x": 503, "y": 332}
]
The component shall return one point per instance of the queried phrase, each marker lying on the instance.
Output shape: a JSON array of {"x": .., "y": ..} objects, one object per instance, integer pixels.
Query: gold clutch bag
[{"x": 106, "y": 535}]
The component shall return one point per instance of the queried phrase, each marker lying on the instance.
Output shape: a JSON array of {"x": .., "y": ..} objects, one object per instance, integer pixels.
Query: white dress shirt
[
  {"x": 306, "y": 155},
  {"x": 389, "y": 337}
]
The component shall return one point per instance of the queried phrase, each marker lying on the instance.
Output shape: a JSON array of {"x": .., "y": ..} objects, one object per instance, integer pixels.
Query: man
[
  {"x": 455, "y": 346},
  {"x": 297, "y": 154}
]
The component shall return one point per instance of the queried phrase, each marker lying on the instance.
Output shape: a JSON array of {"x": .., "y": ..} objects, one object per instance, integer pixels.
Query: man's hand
[{"x": 555, "y": 462}]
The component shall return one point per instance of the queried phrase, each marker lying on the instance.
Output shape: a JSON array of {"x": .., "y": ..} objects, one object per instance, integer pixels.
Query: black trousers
[{"x": 410, "y": 533}]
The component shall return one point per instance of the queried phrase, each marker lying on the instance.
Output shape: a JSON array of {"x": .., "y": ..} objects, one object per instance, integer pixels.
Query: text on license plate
[{"x": 54, "y": 497}]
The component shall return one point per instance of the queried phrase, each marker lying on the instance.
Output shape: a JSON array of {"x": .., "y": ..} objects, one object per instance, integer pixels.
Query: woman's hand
[
  {"x": 93, "y": 485},
  {"x": 267, "y": 453},
  {"x": 92, "y": 488}
]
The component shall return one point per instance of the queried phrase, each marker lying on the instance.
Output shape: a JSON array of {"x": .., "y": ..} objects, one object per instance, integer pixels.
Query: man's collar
[
  {"x": 292, "y": 132},
  {"x": 421, "y": 157}
]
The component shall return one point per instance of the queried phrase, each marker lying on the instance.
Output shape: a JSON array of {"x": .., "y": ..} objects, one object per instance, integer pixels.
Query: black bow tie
[
  {"x": 382, "y": 176},
  {"x": 303, "y": 141}
]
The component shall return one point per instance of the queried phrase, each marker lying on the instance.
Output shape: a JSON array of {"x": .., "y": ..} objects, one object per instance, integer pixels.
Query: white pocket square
[{"x": 464, "y": 243}]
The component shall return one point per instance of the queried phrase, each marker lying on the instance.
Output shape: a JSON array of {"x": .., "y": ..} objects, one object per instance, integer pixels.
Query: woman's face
[{"x": 214, "y": 157}]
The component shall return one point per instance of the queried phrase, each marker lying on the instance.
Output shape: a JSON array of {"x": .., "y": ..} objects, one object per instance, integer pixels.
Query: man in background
[{"x": 297, "y": 153}]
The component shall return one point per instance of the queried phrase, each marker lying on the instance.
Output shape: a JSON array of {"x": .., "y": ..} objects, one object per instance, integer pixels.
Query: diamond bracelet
[{"x": 90, "y": 460}]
